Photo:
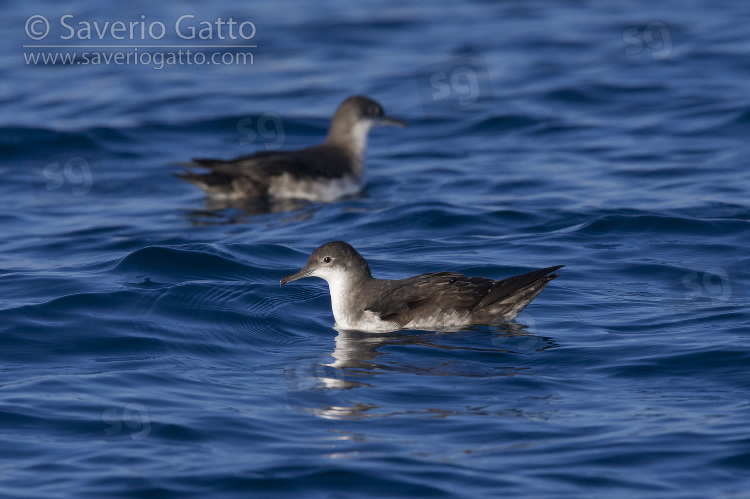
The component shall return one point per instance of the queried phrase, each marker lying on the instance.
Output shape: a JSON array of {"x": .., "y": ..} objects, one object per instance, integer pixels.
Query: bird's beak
[
  {"x": 387, "y": 120},
  {"x": 304, "y": 272}
]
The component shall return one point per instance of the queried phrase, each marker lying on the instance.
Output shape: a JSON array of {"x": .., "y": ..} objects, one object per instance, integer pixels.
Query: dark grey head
[
  {"x": 333, "y": 262},
  {"x": 355, "y": 117}
]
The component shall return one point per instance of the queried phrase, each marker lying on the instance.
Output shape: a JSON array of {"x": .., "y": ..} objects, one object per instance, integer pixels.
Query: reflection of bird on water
[{"x": 360, "y": 358}]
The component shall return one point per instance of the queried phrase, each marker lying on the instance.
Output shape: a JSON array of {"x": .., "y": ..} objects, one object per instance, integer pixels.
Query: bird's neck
[
  {"x": 344, "y": 290},
  {"x": 351, "y": 138}
]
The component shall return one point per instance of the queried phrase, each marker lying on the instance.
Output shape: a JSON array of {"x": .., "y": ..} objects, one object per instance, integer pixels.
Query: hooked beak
[
  {"x": 304, "y": 272},
  {"x": 387, "y": 120}
]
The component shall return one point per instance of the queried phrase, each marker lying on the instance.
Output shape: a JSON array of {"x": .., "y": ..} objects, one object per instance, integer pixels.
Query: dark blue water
[{"x": 146, "y": 349}]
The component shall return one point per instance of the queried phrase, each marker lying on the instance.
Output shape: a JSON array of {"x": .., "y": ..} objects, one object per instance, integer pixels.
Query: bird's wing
[
  {"x": 447, "y": 290},
  {"x": 319, "y": 161}
]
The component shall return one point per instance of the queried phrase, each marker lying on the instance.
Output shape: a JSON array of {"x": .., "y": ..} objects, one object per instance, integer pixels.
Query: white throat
[
  {"x": 345, "y": 311},
  {"x": 359, "y": 133},
  {"x": 340, "y": 291}
]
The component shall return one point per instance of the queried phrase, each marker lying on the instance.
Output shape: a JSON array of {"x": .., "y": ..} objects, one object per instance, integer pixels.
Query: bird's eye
[
  {"x": 327, "y": 259},
  {"x": 373, "y": 111}
]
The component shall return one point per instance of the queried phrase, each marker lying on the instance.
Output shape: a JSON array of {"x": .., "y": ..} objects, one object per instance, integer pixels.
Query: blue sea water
[{"x": 147, "y": 350}]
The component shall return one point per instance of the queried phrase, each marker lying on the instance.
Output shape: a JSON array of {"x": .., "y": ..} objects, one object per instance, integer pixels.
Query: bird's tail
[{"x": 509, "y": 296}]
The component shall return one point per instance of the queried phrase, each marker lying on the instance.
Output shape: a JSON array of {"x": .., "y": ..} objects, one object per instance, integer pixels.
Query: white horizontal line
[{"x": 137, "y": 46}]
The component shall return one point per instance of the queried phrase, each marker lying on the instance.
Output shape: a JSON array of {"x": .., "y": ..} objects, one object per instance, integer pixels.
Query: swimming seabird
[
  {"x": 442, "y": 300},
  {"x": 324, "y": 172}
]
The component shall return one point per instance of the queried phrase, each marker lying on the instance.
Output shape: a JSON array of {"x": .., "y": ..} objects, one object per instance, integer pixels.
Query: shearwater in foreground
[
  {"x": 442, "y": 300},
  {"x": 324, "y": 172}
]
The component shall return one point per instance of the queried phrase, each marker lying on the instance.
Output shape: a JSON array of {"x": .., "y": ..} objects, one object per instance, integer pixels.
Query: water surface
[{"x": 148, "y": 351}]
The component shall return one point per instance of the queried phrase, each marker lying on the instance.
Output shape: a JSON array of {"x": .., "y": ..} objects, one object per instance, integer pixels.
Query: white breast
[
  {"x": 370, "y": 322},
  {"x": 317, "y": 190},
  {"x": 346, "y": 314},
  {"x": 441, "y": 321}
]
